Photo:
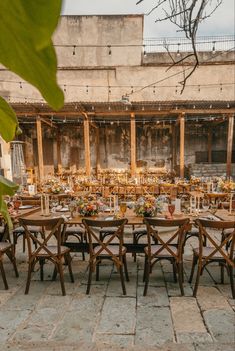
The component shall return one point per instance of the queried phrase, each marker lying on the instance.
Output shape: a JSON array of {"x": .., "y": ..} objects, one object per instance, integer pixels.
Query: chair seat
[
  {"x": 228, "y": 231},
  {"x": 113, "y": 248},
  {"x": 74, "y": 230},
  {"x": 53, "y": 250},
  {"x": 32, "y": 229},
  {"x": 163, "y": 253},
  {"x": 207, "y": 251},
  {"x": 193, "y": 231},
  {"x": 4, "y": 246}
]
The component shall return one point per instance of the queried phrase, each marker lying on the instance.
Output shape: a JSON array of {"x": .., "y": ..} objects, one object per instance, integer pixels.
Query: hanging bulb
[
  {"x": 21, "y": 86},
  {"x": 74, "y": 50},
  {"x": 132, "y": 91},
  {"x": 178, "y": 51},
  {"x": 109, "y": 90},
  {"x": 199, "y": 88},
  {"x": 110, "y": 51},
  {"x": 221, "y": 87},
  {"x": 154, "y": 90},
  {"x": 87, "y": 89},
  {"x": 176, "y": 89},
  {"x": 64, "y": 88}
]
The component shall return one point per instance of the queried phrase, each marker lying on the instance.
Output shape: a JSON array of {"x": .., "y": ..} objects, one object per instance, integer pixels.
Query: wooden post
[
  {"x": 209, "y": 145},
  {"x": 173, "y": 163},
  {"x": 230, "y": 144},
  {"x": 182, "y": 129},
  {"x": 133, "y": 145},
  {"x": 97, "y": 151},
  {"x": 40, "y": 149},
  {"x": 87, "y": 146},
  {"x": 58, "y": 146}
]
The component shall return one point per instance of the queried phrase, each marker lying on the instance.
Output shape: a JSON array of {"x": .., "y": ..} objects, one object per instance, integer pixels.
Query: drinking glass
[
  {"x": 16, "y": 204},
  {"x": 171, "y": 209},
  {"x": 123, "y": 208}
]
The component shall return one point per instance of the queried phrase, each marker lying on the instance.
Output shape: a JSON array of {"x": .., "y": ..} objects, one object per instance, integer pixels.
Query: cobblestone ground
[{"x": 106, "y": 320}]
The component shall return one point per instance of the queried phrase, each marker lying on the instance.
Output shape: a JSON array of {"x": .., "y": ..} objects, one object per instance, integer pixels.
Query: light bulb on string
[
  {"x": 21, "y": 87},
  {"x": 74, "y": 50},
  {"x": 178, "y": 51},
  {"x": 109, "y": 50},
  {"x": 221, "y": 87},
  {"x": 109, "y": 90},
  {"x": 87, "y": 90},
  {"x": 154, "y": 90},
  {"x": 176, "y": 89},
  {"x": 132, "y": 90},
  {"x": 64, "y": 88},
  {"x": 213, "y": 48},
  {"x": 144, "y": 50},
  {"x": 199, "y": 88}
]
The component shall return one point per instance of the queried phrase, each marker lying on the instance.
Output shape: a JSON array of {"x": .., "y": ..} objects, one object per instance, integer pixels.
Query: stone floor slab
[{"x": 221, "y": 324}]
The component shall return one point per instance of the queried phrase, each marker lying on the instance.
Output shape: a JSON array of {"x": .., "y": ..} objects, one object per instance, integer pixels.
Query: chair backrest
[
  {"x": 176, "y": 239},
  {"x": 223, "y": 244},
  {"x": 94, "y": 238},
  {"x": 50, "y": 228}
]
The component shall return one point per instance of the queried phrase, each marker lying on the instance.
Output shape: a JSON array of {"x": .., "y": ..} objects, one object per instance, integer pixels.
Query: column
[
  {"x": 97, "y": 150},
  {"x": 209, "y": 145},
  {"x": 40, "y": 149},
  {"x": 230, "y": 144},
  {"x": 173, "y": 147},
  {"x": 182, "y": 136},
  {"x": 87, "y": 146},
  {"x": 133, "y": 145}
]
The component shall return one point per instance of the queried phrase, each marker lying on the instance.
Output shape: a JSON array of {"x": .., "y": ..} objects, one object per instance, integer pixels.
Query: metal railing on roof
[{"x": 203, "y": 43}]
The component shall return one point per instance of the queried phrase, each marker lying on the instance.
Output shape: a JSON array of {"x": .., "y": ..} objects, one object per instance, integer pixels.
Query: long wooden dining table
[{"x": 133, "y": 220}]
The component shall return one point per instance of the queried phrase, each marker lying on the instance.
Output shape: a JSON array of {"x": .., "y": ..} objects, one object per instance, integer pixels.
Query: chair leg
[
  {"x": 134, "y": 242},
  {"x": 222, "y": 273},
  {"x": 30, "y": 268},
  {"x": 24, "y": 242},
  {"x": 231, "y": 281},
  {"x": 69, "y": 260},
  {"x": 3, "y": 274},
  {"x": 199, "y": 269},
  {"x": 174, "y": 271},
  {"x": 145, "y": 264},
  {"x": 11, "y": 255},
  {"x": 41, "y": 264},
  {"x": 147, "y": 272},
  {"x": 89, "y": 280},
  {"x": 125, "y": 268},
  {"x": 180, "y": 270},
  {"x": 122, "y": 280},
  {"x": 61, "y": 273},
  {"x": 97, "y": 271},
  {"x": 193, "y": 268},
  {"x": 83, "y": 252}
]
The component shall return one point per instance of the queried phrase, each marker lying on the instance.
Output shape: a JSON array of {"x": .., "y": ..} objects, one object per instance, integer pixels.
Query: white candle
[{"x": 42, "y": 208}]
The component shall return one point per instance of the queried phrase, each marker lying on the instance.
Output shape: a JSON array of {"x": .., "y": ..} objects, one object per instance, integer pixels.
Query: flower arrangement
[
  {"x": 86, "y": 208},
  {"x": 146, "y": 207},
  {"x": 226, "y": 186}
]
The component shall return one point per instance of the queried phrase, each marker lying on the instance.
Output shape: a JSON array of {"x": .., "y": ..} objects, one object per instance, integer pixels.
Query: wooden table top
[{"x": 130, "y": 215}]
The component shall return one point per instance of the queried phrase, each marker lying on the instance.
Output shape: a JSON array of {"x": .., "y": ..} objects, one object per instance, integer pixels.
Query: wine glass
[
  {"x": 171, "y": 209},
  {"x": 123, "y": 208},
  {"x": 205, "y": 205}
]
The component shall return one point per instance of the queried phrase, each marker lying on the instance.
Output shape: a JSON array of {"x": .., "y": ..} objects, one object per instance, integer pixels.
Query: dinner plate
[{"x": 24, "y": 207}]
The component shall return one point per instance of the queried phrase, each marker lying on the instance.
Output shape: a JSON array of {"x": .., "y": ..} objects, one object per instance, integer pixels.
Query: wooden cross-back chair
[
  {"x": 6, "y": 247},
  {"x": 167, "y": 248},
  {"x": 219, "y": 250},
  {"x": 45, "y": 250},
  {"x": 105, "y": 248}
]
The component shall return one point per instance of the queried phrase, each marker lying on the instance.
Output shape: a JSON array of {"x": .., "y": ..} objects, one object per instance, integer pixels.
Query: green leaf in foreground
[
  {"x": 8, "y": 121},
  {"x": 26, "y": 28},
  {"x": 6, "y": 188}
]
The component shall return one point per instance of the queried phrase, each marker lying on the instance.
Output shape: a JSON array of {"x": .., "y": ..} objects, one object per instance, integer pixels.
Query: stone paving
[{"x": 107, "y": 320}]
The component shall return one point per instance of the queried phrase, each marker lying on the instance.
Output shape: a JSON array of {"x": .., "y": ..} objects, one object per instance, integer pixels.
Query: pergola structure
[{"x": 93, "y": 113}]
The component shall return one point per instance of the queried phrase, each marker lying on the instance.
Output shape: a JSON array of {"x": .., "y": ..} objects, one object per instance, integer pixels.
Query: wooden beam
[
  {"x": 133, "y": 145},
  {"x": 230, "y": 144},
  {"x": 40, "y": 149},
  {"x": 97, "y": 151},
  {"x": 87, "y": 146},
  {"x": 49, "y": 123},
  {"x": 58, "y": 144},
  {"x": 174, "y": 145},
  {"x": 182, "y": 136},
  {"x": 209, "y": 145},
  {"x": 124, "y": 113}
]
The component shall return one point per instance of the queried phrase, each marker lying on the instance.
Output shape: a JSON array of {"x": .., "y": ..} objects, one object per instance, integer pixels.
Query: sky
[{"x": 220, "y": 23}]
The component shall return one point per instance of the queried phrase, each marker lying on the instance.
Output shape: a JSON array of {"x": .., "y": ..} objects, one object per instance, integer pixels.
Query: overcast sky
[{"x": 221, "y": 22}]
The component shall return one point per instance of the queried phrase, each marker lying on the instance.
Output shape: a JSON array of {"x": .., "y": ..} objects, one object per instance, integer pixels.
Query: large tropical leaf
[
  {"x": 26, "y": 27},
  {"x": 8, "y": 121},
  {"x": 6, "y": 188}
]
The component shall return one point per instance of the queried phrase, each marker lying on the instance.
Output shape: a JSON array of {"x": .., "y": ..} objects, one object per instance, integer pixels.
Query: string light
[
  {"x": 199, "y": 88},
  {"x": 109, "y": 90},
  {"x": 87, "y": 90},
  {"x": 74, "y": 50},
  {"x": 21, "y": 85},
  {"x": 144, "y": 50},
  {"x": 64, "y": 88},
  {"x": 154, "y": 89},
  {"x": 213, "y": 48},
  {"x": 221, "y": 88},
  {"x": 109, "y": 50}
]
